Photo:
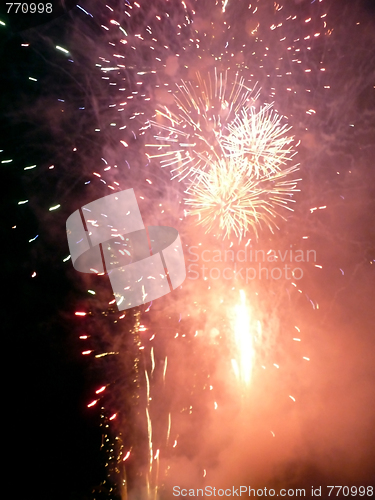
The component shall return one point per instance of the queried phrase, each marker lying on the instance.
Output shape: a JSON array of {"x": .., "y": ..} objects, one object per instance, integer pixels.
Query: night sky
[{"x": 52, "y": 121}]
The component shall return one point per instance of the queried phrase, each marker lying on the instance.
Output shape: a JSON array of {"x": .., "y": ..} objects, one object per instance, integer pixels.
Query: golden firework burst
[{"x": 230, "y": 202}]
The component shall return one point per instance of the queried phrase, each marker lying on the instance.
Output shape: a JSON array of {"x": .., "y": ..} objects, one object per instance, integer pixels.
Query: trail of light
[
  {"x": 149, "y": 434},
  {"x": 165, "y": 368},
  {"x": 157, "y": 458},
  {"x": 169, "y": 427},
  {"x": 244, "y": 341},
  {"x": 152, "y": 360},
  {"x": 102, "y": 355},
  {"x": 147, "y": 386}
]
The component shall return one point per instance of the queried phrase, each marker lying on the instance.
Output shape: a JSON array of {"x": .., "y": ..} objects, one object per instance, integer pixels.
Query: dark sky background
[{"x": 54, "y": 439}]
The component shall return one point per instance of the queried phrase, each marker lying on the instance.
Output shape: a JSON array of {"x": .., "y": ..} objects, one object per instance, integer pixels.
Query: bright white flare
[{"x": 244, "y": 336}]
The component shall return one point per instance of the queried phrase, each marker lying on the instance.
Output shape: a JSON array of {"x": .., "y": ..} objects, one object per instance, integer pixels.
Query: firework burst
[
  {"x": 215, "y": 119},
  {"x": 260, "y": 137},
  {"x": 191, "y": 136},
  {"x": 231, "y": 202},
  {"x": 232, "y": 154}
]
